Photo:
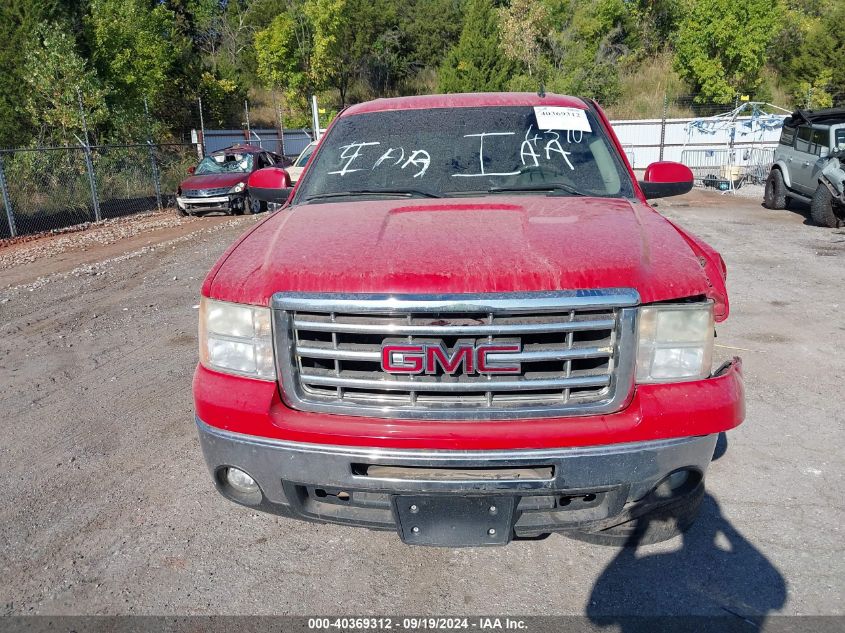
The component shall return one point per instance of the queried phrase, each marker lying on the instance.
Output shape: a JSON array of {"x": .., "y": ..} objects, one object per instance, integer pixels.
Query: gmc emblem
[{"x": 466, "y": 358}]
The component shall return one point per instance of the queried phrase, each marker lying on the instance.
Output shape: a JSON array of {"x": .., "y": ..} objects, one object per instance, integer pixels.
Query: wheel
[
  {"x": 655, "y": 526},
  {"x": 180, "y": 211},
  {"x": 252, "y": 206},
  {"x": 821, "y": 208},
  {"x": 774, "y": 196}
]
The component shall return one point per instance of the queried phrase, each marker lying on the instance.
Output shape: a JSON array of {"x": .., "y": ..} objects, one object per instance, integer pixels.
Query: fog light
[
  {"x": 240, "y": 481},
  {"x": 669, "y": 486},
  {"x": 678, "y": 479}
]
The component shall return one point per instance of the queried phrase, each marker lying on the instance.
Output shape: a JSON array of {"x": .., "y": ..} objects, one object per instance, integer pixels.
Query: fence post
[
  {"x": 7, "y": 201},
  {"x": 202, "y": 131},
  {"x": 663, "y": 124},
  {"x": 281, "y": 123},
  {"x": 92, "y": 182},
  {"x": 156, "y": 176},
  {"x": 156, "y": 179},
  {"x": 248, "y": 132},
  {"x": 89, "y": 163}
]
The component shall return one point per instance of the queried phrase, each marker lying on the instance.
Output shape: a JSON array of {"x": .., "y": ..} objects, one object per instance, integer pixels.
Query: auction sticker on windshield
[{"x": 560, "y": 118}]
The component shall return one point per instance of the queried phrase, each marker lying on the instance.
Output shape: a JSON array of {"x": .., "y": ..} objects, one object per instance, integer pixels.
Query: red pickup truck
[{"x": 467, "y": 325}]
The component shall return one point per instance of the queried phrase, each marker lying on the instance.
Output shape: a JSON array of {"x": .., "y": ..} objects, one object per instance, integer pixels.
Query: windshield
[
  {"x": 225, "y": 164},
  {"x": 304, "y": 156},
  {"x": 466, "y": 151}
]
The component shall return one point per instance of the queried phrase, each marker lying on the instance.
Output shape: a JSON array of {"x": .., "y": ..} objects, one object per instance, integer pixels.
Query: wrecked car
[{"x": 219, "y": 181}]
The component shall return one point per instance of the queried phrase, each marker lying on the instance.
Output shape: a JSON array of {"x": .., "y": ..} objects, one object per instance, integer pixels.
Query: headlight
[
  {"x": 675, "y": 342},
  {"x": 236, "y": 339},
  {"x": 238, "y": 187}
]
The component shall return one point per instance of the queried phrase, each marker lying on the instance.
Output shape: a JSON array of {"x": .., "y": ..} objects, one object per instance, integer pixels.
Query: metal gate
[{"x": 727, "y": 169}]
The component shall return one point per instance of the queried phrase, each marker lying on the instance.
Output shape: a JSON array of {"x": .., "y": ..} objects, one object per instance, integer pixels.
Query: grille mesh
[{"x": 206, "y": 193}]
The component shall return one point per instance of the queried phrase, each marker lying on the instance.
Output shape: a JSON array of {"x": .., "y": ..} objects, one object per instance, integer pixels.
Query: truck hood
[
  {"x": 212, "y": 181},
  {"x": 501, "y": 244}
]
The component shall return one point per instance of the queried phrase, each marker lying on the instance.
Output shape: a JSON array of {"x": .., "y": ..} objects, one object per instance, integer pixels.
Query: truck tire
[
  {"x": 774, "y": 196},
  {"x": 821, "y": 208},
  {"x": 657, "y": 525}
]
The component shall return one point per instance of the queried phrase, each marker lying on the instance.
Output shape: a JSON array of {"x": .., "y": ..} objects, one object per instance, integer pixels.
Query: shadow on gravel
[
  {"x": 717, "y": 572},
  {"x": 798, "y": 207},
  {"x": 721, "y": 446}
]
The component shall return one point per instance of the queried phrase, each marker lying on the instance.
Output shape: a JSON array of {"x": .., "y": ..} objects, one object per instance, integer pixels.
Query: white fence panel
[
  {"x": 641, "y": 138},
  {"x": 727, "y": 169}
]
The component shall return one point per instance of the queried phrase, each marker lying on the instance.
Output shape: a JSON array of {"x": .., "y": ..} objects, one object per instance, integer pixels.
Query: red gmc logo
[{"x": 466, "y": 358}]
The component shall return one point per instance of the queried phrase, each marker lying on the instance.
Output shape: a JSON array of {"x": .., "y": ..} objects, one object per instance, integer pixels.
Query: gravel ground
[
  {"x": 108, "y": 507},
  {"x": 31, "y": 261},
  {"x": 752, "y": 192},
  {"x": 29, "y": 248}
]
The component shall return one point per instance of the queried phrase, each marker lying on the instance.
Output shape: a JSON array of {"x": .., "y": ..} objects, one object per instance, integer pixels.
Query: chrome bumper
[{"x": 334, "y": 484}]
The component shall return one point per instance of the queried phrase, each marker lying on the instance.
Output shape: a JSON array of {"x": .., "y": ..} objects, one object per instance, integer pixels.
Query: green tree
[
  {"x": 811, "y": 66},
  {"x": 430, "y": 28},
  {"x": 656, "y": 21},
  {"x": 476, "y": 62},
  {"x": 523, "y": 26},
  {"x": 346, "y": 35},
  {"x": 19, "y": 21},
  {"x": 222, "y": 99},
  {"x": 230, "y": 36},
  {"x": 283, "y": 56},
  {"x": 282, "y": 52},
  {"x": 56, "y": 75},
  {"x": 135, "y": 48},
  {"x": 582, "y": 49},
  {"x": 721, "y": 46}
]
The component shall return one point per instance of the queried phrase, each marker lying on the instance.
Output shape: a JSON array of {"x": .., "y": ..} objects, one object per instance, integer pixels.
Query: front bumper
[
  {"x": 550, "y": 489},
  {"x": 226, "y": 203},
  {"x": 655, "y": 412}
]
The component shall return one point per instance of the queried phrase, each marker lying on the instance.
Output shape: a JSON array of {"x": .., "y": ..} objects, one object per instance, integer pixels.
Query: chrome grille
[{"x": 577, "y": 353}]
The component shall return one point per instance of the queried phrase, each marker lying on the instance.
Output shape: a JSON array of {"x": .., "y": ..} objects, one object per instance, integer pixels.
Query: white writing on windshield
[{"x": 538, "y": 147}]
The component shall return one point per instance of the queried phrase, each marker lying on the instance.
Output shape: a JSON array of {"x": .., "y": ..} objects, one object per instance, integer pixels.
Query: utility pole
[
  {"x": 315, "y": 117},
  {"x": 663, "y": 124}
]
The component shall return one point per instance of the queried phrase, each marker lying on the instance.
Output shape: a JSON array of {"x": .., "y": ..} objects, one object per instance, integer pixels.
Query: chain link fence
[{"x": 48, "y": 188}]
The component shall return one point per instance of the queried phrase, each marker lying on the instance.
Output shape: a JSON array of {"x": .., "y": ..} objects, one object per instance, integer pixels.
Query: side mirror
[
  {"x": 271, "y": 184},
  {"x": 666, "y": 179},
  {"x": 191, "y": 170}
]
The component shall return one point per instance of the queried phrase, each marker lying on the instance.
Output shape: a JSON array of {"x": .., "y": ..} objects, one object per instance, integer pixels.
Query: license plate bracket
[{"x": 454, "y": 520}]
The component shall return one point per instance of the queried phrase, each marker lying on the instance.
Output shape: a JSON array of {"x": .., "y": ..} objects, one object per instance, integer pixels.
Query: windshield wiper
[
  {"x": 552, "y": 188},
  {"x": 371, "y": 192}
]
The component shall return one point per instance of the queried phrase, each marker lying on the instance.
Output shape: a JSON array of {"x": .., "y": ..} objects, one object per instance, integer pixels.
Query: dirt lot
[{"x": 108, "y": 507}]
